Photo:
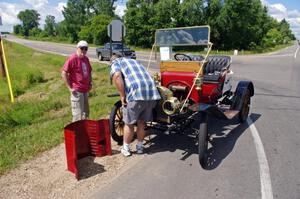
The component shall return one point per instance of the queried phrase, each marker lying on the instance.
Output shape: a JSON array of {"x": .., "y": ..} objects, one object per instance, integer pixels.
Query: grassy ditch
[{"x": 35, "y": 122}]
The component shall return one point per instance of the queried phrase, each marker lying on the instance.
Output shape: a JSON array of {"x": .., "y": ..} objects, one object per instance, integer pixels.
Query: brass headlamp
[
  {"x": 156, "y": 78},
  {"x": 198, "y": 83}
]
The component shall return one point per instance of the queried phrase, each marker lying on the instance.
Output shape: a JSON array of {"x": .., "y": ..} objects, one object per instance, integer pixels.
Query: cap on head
[{"x": 82, "y": 43}]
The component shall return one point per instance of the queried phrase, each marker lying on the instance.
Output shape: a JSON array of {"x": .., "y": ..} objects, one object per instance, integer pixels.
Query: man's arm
[
  {"x": 119, "y": 83},
  {"x": 91, "y": 82},
  {"x": 65, "y": 77},
  {"x": 91, "y": 78}
]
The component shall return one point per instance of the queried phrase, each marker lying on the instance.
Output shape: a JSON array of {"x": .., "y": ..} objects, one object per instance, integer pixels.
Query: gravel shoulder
[{"x": 46, "y": 176}]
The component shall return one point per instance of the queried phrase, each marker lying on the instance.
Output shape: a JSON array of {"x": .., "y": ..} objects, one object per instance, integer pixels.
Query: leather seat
[
  {"x": 196, "y": 57},
  {"x": 214, "y": 67}
]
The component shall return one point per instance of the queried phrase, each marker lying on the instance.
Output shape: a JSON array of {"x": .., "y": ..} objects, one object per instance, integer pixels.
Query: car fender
[
  {"x": 240, "y": 92},
  {"x": 243, "y": 86}
]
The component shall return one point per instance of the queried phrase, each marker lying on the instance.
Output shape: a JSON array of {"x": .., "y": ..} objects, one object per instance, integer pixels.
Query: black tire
[
  {"x": 116, "y": 124},
  {"x": 203, "y": 140},
  {"x": 244, "y": 112},
  {"x": 100, "y": 57}
]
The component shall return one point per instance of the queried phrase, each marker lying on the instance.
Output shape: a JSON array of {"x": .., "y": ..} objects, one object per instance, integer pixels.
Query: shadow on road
[
  {"x": 223, "y": 143},
  {"x": 171, "y": 142},
  {"x": 225, "y": 134}
]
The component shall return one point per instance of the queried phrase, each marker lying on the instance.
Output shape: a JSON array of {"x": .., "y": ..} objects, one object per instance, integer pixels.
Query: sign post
[
  {"x": 116, "y": 32},
  {"x": 110, "y": 41}
]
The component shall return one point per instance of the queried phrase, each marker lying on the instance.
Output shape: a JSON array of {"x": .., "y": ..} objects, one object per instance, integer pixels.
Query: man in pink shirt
[{"x": 76, "y": 73}]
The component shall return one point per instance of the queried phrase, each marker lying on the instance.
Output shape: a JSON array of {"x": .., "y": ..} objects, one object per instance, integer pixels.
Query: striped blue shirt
[{"x": 138, "y": 83}]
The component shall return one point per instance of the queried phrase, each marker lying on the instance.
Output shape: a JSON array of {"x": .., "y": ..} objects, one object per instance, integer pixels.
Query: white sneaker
[
  {"x": 125, "y": 152},
  {"x": 139, "y": 149}
]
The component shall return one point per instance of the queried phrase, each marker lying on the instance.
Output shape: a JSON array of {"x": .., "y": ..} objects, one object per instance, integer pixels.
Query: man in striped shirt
[{"x": 139, "y": 96}]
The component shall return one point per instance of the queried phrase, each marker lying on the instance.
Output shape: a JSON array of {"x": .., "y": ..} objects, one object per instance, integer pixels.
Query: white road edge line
[
  {"x": 296, "y": 52},
  {"x": 264, "y": 171}
]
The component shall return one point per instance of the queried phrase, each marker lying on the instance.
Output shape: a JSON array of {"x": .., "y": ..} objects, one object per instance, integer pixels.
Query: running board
[{"x": 215, "y": 111}]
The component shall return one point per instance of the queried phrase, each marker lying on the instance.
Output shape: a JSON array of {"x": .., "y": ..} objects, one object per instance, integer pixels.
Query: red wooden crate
[{"x": 86, "y": 138}]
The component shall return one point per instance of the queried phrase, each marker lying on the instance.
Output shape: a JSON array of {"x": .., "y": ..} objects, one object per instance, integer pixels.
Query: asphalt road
[
  {"x": 257, "y": 159},
  {"x": 68, "y": 49}
]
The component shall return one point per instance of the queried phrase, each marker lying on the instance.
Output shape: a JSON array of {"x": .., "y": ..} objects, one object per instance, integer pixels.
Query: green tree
[
  {"x": 268, "y": 21},
  {"x": 240, "y": 23},
  {"x": 18, "y": 29},
  {"x": 29, "y": 20},
  {"x": 142, "y": 18},
  {"x": 165, "y": 14},
  {"x": 76, "y": 15},
  {"x": 272, "y": 38},
  {"x": 49, "y": 27},
  {"x": 35, "y": 32},
  {"x": 212, "y": 13},
  {"x": 79, "y": 13},
  {"x": 284, "y": 28},
  {"x": 96, "y": 32},
  {"x": 86, "y": 34},
  {"x": 139, "y": 29},
  {"x": 99, "y": 28},
  {"x": 61, "y": 29},
  {"x": 235, "y": 24},
  {"x": 191, "y": 13},
  {"x": 103, "y": 7}
]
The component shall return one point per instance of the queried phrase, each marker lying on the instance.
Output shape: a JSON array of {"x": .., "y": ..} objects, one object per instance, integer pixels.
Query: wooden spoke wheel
[{"x": 116, "y": 123}]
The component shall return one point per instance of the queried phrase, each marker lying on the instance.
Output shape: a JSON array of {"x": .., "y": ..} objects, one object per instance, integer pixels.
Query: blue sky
[
  {"x": 289, "y": 4},
  {"x": 279, "y": 9}
]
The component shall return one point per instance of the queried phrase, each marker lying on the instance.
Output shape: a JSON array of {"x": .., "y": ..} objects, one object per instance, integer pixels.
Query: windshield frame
[{"x": 183, "y": 36}]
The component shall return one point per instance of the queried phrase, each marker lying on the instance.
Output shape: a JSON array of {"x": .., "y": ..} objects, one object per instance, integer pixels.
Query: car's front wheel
[
  {"x": 244, "y": 112},
  {"x": 116, "y": 124},
  {"x": 203, "y": 140}
]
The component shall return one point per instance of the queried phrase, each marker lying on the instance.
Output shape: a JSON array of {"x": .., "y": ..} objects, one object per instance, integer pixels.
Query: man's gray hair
[{"x": 115, "y": 56}]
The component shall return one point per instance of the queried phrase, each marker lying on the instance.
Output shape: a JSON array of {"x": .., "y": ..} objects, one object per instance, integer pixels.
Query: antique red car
[{"x": 192, "y": 87}]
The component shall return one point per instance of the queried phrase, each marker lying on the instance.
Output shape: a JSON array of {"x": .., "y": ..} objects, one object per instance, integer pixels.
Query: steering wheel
[{"x": 182, "y": 57}]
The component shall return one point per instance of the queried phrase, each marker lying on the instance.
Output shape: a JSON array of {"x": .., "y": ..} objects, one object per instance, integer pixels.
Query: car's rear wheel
[
  {"x": 203, "y": 140},
  {"x": 100, "y": 57},
  {"x": 116, "y": 123}
]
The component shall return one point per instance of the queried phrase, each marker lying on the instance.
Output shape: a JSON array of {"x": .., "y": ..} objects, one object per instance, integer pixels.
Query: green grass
[{"x": 35, "y": 122}]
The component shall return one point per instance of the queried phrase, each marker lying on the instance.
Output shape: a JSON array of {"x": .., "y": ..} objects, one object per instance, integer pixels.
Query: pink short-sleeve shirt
[{"x": 79, "y": 70}]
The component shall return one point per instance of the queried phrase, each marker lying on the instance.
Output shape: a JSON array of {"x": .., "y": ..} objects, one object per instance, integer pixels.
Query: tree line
[{"x": 235, "y": 24}]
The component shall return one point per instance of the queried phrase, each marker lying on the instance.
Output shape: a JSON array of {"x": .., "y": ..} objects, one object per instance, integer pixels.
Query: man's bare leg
[
  {"x": 128, "y": 133},
  {"x": 141, "y": 125}
]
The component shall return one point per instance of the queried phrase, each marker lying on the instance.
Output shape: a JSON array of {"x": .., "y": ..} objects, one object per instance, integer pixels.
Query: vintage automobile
[
  {"x": 191, "y": 88},
  {"x": 104, "y": 53}
]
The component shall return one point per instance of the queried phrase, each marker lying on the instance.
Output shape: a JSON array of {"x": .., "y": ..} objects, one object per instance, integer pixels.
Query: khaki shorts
[
  {"x": 80, "y": 105},
  {"x": 138, "y": 110}
]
